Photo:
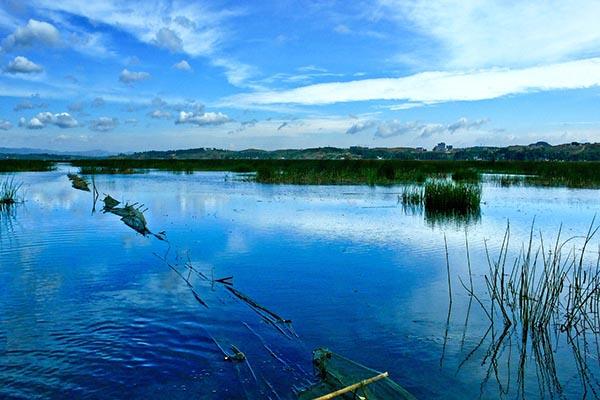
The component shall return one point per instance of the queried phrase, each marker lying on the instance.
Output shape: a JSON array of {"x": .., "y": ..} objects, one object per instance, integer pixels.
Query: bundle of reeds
[{"x": 9, "y": 190}]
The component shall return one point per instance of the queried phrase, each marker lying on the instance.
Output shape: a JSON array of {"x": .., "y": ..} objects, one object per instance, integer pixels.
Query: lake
[{"x": 92, "y": 309}]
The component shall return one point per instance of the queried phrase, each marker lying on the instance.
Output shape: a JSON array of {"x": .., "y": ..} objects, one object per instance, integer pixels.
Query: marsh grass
[
  {"x": 412, "y": 196},
  {"x": 449, "y": 197},
  {"x": 373, "y": 172},
  {"x": 9, "y": 191},
  {"x": 10, "y": 165},
  {"x": 508, "y": 180},
  {"x": 466, "y": 175}
]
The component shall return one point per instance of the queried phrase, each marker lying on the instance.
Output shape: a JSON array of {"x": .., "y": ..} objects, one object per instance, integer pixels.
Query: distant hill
[
  {"x": 535, "y": 152},
  {"x": 27, "y": 152},
  {"x": 539, "y": 151}
]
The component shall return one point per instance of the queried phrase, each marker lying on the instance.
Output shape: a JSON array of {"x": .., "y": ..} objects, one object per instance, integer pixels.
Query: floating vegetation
[
  {"x": 546, "y": 298},
  {"x": 110, "y": 203},
  {"x": 131, "y": 214},
  {"x": 78, "y": 182},
  {"x": 9, "y": 192}
]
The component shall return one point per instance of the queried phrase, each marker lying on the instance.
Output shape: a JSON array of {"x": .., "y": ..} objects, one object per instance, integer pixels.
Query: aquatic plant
[
  {"x": 466, "y": 175},
  {"x": 9, "y": 191},
  {"x": 545, "y": 292},
  {"x": 412, "y": 196},
  {"x": 450, "y": 197},
  {"x": 351, "y": 171},
  {"x": 18, "y": 165}
]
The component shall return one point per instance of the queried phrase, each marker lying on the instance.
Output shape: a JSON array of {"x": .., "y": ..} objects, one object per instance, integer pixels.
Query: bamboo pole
[{"x": 352, "y": 387}]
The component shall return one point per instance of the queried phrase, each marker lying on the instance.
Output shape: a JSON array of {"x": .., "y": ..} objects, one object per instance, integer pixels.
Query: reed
[
  {"x": 18, "y": 165},
  {"x": 9, "y": 191},
  {"x": 466, "y": 175},
  {"x": 374, "y": 172},
  {"x": 545, "y": 291},
  {"x": 412, "y": 196},
  {"x": 450, "y": 197}
]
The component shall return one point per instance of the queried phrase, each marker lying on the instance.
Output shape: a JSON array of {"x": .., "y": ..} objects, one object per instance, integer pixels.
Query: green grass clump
[
  {"x": 450, "y": 197},
  {"x": 9, "y": 190}
]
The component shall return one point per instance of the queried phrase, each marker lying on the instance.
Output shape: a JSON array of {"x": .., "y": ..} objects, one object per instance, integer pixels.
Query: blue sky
[{"x": 158, "y": 74}]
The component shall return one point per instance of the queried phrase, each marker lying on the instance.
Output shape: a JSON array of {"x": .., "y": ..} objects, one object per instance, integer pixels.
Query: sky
[{"x": 158, "y": 74}]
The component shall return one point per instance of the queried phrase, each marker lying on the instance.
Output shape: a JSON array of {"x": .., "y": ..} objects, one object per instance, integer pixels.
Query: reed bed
[
  {"x": 374, "y": 172},
  {"x": 18, "y": 165},
  {"x": 450, "y": 197},
  {"x": 466, "y": 175}
]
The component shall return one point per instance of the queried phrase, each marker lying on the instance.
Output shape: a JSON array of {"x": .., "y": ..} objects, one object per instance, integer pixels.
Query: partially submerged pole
[{"x": 353, "y": 387}]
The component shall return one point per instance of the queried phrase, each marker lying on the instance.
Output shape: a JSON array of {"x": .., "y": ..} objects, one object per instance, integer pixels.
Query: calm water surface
[{"x": 88, "y": 309}]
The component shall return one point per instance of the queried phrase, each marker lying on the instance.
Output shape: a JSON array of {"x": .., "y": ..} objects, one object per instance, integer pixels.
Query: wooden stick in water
[{"x": 352, "y": 387}]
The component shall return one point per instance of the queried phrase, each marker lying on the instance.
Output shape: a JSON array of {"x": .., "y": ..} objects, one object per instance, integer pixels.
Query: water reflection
[{"x": 89, "y": 309}]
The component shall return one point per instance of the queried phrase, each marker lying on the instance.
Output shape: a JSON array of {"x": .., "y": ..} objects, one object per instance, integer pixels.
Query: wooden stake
[{"x": 353, "y": 387}]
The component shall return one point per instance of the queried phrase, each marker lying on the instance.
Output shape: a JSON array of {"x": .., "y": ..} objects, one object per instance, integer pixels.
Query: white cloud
[
  {"x": 157, "y": 114},
  {"x": 436, "y": 86},
  {"x": 392, "y": 128},
  {"x": 485, "y": 33},
  {"x": 198, "y": 27},
  {"x": 29, "y": 104},
  {"x": 129, "y": 77},
  {"x": 386, "y": 129},
  {"x": 208, "y": 118},
  {"x": 342, "y": 29},
  {"x": 103, "y": 124},
  {"x": 41, "y": 120},
  {"x": 5, "y": 125},
  {"x": 169, "y": 40},
  {"x": 21, "y": 65},
  {"x": 237, "y": 73},
  {"x": 464, "y": 124},
  {"x": 35, "y": 33},
  {"x": 98, "y": 102},
  {"x": 76, "y": 106},
  {"x": 91, "y": 44},
  {"x": 183, "y": 65},
  {"x": 34, "y": 123},
  {"x": 360, "y": 126},
  {"x": 65, "y": 120}
]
